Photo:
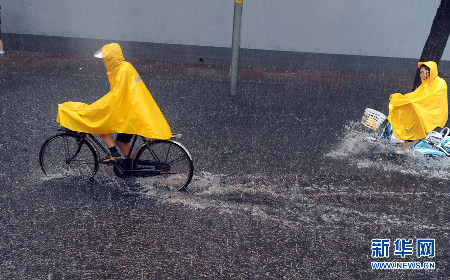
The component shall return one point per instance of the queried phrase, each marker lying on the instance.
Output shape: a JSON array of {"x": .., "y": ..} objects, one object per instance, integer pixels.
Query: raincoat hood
[
  {"x": 414, "y": 114},
  {"x": 433, "y": 70},
  {"x": 112, "y": 56},
  {"x": 127, "y": 108}
]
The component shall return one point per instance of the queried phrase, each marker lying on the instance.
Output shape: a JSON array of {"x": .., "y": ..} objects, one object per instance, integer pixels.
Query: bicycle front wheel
[
  {"x": 68, "y": 154},
  {"x": 166, "y": 163}
]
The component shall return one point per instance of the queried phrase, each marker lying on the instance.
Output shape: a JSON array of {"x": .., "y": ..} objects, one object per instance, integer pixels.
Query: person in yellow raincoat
[
  {"x": 414, "y": 114},
  {"x": 128, "y": 108}
]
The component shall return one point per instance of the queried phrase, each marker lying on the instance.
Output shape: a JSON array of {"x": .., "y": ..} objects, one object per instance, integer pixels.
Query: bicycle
[{"x": 77, "y": 153}]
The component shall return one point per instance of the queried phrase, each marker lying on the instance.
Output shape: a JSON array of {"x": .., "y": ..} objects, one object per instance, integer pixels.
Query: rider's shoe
[{"x": 110, "y": 159}]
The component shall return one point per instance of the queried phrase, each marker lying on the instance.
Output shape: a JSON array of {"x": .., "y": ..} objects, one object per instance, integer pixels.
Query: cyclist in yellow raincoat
[
  {"x": 128, "y": 108},
  {"x": 414, "y": 114}
]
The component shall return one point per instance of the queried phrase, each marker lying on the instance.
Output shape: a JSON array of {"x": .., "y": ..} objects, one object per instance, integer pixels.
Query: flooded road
[{"x": 286, "y": 183}]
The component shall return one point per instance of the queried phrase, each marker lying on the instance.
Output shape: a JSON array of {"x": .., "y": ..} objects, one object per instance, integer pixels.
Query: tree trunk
[{"x": 437, "y": 40}]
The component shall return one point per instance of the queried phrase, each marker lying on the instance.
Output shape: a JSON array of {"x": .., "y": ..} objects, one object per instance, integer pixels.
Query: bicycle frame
[
  {"x": 97, "y": 143},
  {"x": 150, "y": 172}
]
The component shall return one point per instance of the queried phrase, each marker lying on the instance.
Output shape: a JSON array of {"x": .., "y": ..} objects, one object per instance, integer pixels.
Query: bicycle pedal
[{"x": 110, "y": 160}]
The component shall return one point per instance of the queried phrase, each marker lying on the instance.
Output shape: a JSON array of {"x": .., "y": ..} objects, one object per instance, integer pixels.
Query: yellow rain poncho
[
  {"x": 415, "y": 114},
  {"x": 127, "y": 108}
]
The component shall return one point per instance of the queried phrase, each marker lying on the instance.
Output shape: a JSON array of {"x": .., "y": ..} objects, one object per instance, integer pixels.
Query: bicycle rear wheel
[
  {"x": 68, "y": 154},
  {"x": 167, "y": 164}
]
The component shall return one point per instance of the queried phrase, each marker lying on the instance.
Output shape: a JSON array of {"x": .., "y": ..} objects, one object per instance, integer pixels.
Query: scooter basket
[{"x": 373, "y": 119}]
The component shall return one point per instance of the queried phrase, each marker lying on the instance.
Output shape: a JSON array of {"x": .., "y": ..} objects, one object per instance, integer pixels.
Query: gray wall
[{"x": 354, "y": 27}]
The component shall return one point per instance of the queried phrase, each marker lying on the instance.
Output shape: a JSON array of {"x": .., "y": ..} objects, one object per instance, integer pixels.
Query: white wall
[{"x": 396, "y": 28}]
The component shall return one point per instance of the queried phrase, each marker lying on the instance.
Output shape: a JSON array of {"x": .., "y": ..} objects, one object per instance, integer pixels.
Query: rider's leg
[
  {"x": 107, "y": 139},
  {"x": 122, "y": 140},
  {"x": 124, "y": 148},
  {"x": 109, "y": 142}
]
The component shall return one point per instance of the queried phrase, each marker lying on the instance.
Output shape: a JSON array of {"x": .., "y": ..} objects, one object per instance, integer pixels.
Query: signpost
[{"x": 235, "y": 45}]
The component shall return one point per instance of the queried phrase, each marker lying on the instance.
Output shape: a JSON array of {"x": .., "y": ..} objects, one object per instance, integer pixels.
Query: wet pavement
[{"x": 286, "y": 184}]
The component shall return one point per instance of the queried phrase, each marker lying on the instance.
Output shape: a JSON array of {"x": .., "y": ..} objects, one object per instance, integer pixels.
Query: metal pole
[{"x": 235, "y": 45}]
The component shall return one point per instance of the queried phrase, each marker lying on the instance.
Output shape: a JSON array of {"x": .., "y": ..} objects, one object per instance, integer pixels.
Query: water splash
[
  {"x": 358, "y": 139},
  {"x": 366, "y": 149}
]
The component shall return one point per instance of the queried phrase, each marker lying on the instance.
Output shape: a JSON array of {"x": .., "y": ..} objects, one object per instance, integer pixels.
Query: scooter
[{"x": 435, "y": 144}]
